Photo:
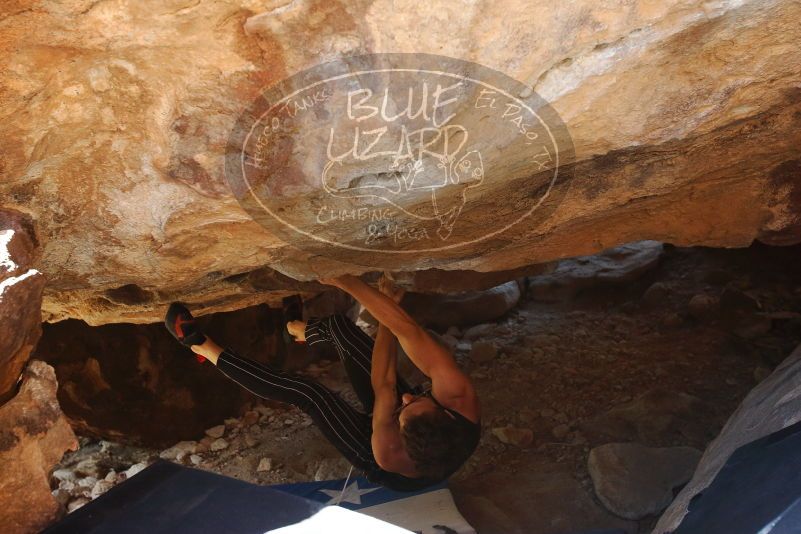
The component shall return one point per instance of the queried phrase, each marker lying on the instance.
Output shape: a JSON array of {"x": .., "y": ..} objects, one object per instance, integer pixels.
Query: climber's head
[{"x": 435, "y": 441}]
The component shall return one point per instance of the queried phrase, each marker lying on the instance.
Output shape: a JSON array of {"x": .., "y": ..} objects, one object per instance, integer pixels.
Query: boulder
[
  {"x": 456, "y": 281},
  {"x": 656, "y": 296},
  {"x": 34, "y": 434},
  {"x": 462, "y": 309},
  {"x": 683, "y": 115},
  {"x": 634, "y": 481},
  {"x": 616, "y": 266},
  {"x": 656, "y": 416},
  {"x": 20, "y": 297},
  {"x": 447, "y": 311},
  {"x": 772, "y": 405},
  {"x": 533, "y": 497}
]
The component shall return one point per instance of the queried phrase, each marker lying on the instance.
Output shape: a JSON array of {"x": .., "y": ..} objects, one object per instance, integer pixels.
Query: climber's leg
[
  {"x": 354, "y": 347},
  {"x": 347, "y": 429}
]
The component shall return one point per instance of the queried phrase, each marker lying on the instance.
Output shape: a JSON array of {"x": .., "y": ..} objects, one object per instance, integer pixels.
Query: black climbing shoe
[
  {"x": 292, "y": 308},
  {"x": 182, "y": 326}
]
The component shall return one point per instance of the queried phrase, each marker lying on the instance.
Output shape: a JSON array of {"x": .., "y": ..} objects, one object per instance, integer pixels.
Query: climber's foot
[
  {"x": 208, "y": 350},
  {"x": 292, "y": 308},
  {"x": 182, "y": 325},
  {"x": 297, "y": 329},
  {"x": 184, "y": 328}
]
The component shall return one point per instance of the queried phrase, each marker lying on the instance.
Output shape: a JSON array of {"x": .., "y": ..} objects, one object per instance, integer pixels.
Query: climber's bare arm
[
  {"x": 385, "y": 359},
  {"x": 386, "y": 440},
  {"x": 450, "y": 386},
  {"x": 426, "y": 354}
]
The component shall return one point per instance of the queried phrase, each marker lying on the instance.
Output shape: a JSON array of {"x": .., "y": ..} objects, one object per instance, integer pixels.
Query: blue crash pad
[
  {"x": 171, "y": 499},
  {"x": 758, "y": 490}
]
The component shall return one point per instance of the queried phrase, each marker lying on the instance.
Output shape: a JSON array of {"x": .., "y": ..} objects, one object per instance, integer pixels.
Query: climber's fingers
[
  {"x": 331, "y": 281},
  {"x": 336, "y": 281},
  {"x": 387, "y": 286}
]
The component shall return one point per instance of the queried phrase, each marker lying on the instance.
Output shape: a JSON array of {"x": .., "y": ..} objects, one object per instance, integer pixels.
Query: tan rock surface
[
  {"x": 20, "y": 298},
  {"x": 684, "y": 114},
  {"x": 34, "y": 434}
]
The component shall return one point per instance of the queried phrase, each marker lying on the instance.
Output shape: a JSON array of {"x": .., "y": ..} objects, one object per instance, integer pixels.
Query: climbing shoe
[
  {"x": 183, "y": 327},
  {"x": 292, "y": 308}
]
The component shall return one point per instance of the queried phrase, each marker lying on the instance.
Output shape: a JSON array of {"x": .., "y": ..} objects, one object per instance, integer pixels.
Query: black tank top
[
  {"x": 398, "y": 482},
  {"x": 472, "y": 430}
]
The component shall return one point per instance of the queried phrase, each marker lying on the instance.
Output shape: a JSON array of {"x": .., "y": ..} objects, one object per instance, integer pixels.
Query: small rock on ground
[
  {"x": 520, "y": 437},
  {"x": 560, "y": 431},
  {"x": 216, "y": 431},
  {"x": 330, "y": 468},
  {"x": 219, "y": 444},
  {"x": 703, "y": 306},
  {"x": 656, "y": 295},
  {"x": 100, "y": 487},
  {"x": 77, "y": 503},
  {"x": 135, "y": 469},
  {"x": 178, "y": 451},
  {"x": 483, "y": 352},
  {"x": 265, "y": 464},
  {"x": 478, "y": 331}
]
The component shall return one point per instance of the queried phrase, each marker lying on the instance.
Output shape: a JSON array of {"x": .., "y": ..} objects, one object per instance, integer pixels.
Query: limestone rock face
[
  {"x": 771, "y": 406},
  {"x": 34, "y": 434},
  {"x": 20, "y": 298},
  {"x": 684, "y": 116}
]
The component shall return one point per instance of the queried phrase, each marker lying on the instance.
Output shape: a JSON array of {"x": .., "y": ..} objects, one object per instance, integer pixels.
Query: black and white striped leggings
[{"x": 346, "y": 428}]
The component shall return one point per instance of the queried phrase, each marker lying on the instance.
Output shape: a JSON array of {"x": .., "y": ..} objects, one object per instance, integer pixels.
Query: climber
[{"x": 402, "y": 440}]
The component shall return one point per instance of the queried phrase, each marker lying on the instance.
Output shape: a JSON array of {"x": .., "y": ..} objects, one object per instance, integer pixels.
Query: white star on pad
[{"x": 352, "y": 494}]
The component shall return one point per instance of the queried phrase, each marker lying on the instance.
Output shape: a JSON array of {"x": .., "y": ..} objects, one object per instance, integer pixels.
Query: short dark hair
[{"x": 437, "y": 444}]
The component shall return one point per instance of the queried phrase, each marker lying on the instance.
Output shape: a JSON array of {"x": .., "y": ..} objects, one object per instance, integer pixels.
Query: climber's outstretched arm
[
  {"x": 383, "y": 372},
  {"x": 386, "y": 440},
  {"x": 447, "y": 380}
]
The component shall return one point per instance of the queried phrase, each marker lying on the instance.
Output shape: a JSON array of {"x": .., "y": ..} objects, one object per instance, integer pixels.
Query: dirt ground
[{"x": 662, "y": 360}]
